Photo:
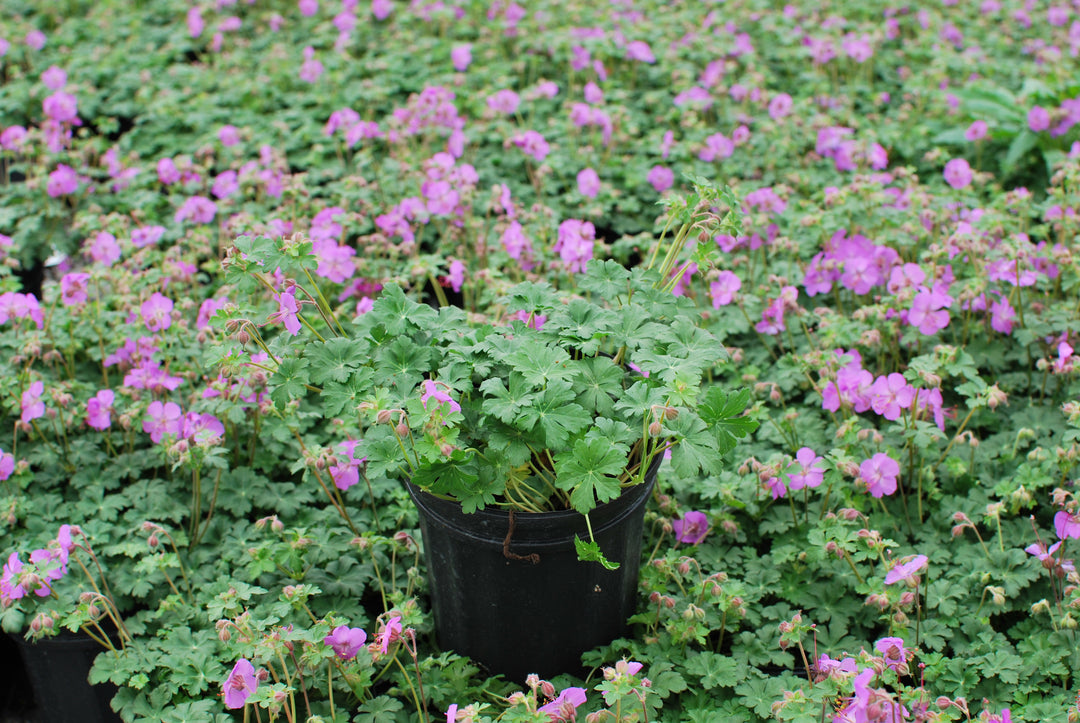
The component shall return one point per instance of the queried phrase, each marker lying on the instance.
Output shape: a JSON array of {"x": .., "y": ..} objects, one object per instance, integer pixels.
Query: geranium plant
[{"x": 552, "y": 399}]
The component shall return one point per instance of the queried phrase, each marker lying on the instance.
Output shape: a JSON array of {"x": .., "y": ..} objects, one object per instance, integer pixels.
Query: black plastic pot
[
  {"x": 59, "y": 670},
  {"x": 518, "y": 600}
]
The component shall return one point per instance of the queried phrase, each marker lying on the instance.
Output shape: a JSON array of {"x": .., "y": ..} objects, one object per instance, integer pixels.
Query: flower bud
[
  {"x": 547, "y": 689},
  {"x": 533, "y": 681},
  {"x": 384, "y": 416},
  {"x": 943, "y": 702},
  {"x": 655, "y": 428},
  {"x": 402, "y": 429},
  {"x": 152, "y": 541}
]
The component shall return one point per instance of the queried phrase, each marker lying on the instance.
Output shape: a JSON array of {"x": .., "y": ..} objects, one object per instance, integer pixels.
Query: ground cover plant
[{"x": 895, "y": 289}]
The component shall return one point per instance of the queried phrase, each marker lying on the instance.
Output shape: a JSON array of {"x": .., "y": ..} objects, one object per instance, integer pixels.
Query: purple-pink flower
[
  {"x": 891, "y": 394},
  {"x": 432, "y": 391},
  {"x": 157, "y": 312},
  {"x": 240, "y": 684},
  {"x": 564, "y": 707},
  {"x": 806, "y": 470},
  {"x": 163, "y": 418},
  {"x": 461, "y": 56},
  {"x": 32, "y": 404},
  {"x": 64, "y": 181},
  {"x": 958, "y": 173},
  {"x": 661, "y": 177},
  {"x": 722, "y": 291},
  {"x": 73, "y": 288},
  {"x": 99, "y": 409},
  {"x": 692, "y": 528},
  {"x": 588, "y": 183},
  {"x": 288, "y": 312},
  {"x": 197, "y": 209},
  {"x": 1038, "y": 119},
  {"x": 880, "y": 474},
  {"x": 1067, "y": 525},
  {"x": 892, "y": 650},
  {"x": 907, "y": 570},
  {"x": 346, "y": 641}
]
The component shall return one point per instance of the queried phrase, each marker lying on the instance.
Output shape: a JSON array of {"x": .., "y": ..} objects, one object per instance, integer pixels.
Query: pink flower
[
  {"x": 532, "y": 144},
  {"x": 906, "y": 571},
  {"x": 346, "y": 641},
  {"x": 976, "y": 131},
  {"x": 661, "y": 178},
  {"x": 927, "y": 310},
  {"x": 456, "y": 275},
  {"x": 167, "y": 172},
  {"x": 346, "y": 472},
  {"x": 7, "y": 465},
  {"x": 640, "y": 50},
  {"x": 288, "y": 312},
  {"x": 381, "y": 9},
  {"x": 593, "y": 94},
  {"x": 805, "y": 470},
  {"x": 504, "y": 101},
  {"x": 157, "y": 312},
  {"x": 723, "y": 289},
  {"x": 335, "y": 262},
  {"x": 1067, "y": 525},
  {"x": 716, "y": 146},
  {"x": 54, "y": 78},
  {"x": 195, "y": 22},
  {"x": 197, "y": 209},
  {"x": 564, "y": 708},
  {"x": 892, "y": 650},
  {"x": 163, "y": 418},
  {"x": 432, "y": 391},
  {"x": 35, "y": 39},
  {"x": 229, "y": 135},
  {"x": 12, "y": 137},
  {"x": 692, "y": 528},
  {"x": 225, "y": 184},
  {"x": 1002, "y": 316},
  {"x": 880, "y": 474},
  {"x": 310, "y": 69},
  {"x": 73, "y": 288},
  {"x": 575, "y": 243},
  {"x": 203, "y": 429},
  {"x": 1038, "y": 119},
  {"x": 146, "y": 236},
  {"x": 64, "y": 181},
  {"x": 780, "y": 106},
  {"x": 390, "y": 632},
  {"x": 588, "y": 183},
  {"x": 240, "y": 684},
  {"x": 14, "y": 305},
  {"x": 308, "y": 7},
  {"x": 461, "y": 56},
  {"x": 32, "y": 406},
  {"x": 958, "y": 173},
  {"x": 890, "y": 395},
  {"x": 98, "y": 409}
]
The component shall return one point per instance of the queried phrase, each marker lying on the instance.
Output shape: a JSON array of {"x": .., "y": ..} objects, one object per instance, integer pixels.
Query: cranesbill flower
[
  {"x": 588, "y": 183},
  {"x": 32, "y": 406},
  {"x": 461, "y": 57},
  {"x": 692, "y": 528},
  {"x": 779, "y": 106},
  {"x": 73, "y": 288},
  {"x": 575, "y": 243},
  {"x": 640, "y": 50},
  {"x": 1038, "y": 119},
  {"x": 891, "y": 394},
  {"x": 892, "y": 650},
  {"x": 346, "y": 641},
  {"x": 98, "y": 409},
  {"x": 346, "y": 472},
  {"x": 805, "y": 471},
  {"x": 1067, "y": 525},
  {"x": 311, "y": 69},
  {"x": 197, "y": 209},
  {"x": 432, "y": 391},
  {"x": 288, "y": 312},
  {"x": 240, "y": 684},
  {"x": 880, "y": 474},
  {"x": 64, "y": 181},
  {"x": 390, "y": 632},
  {"x": 7, "y": 465},
  {"x": 958, "y": 173},
  {"x": 565, "y": 706},
  {"x": 163, "y": 418},
  {"x": 906, "y": 570},
  {"x": 157, "y": 312},
  {"x": 203, "y": 428},
  {"x": 661, "y": 178},
  {"x": 504, "y": 101},
  {"x": 976, "y": 131}
]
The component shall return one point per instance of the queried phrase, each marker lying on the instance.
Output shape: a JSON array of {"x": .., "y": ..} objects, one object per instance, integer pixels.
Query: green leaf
[
  {"x": 590, "y": 472},
  {"x": 335, "y": 359},
  {"x": 382, "y": 709},
  {"x": 505, "y": 403},
  {"x": 723, "y": 412},
  {"x": 599, "y": 385},
  {"x": 1019, "y": 148},
  {"x": 555, "y": 415},
  {"x": 540, "y": 364},
  {"x": 605, "y": 279},
  {"x": 590, "y": 552},
  {"x": 715, "y": 670},
  {"x": 289, "y": 382},
  {"x": 346, "y": 397}
]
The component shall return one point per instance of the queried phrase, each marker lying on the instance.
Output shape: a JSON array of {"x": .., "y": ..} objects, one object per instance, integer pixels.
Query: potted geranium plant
[{"x": 551, "y": 409}]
